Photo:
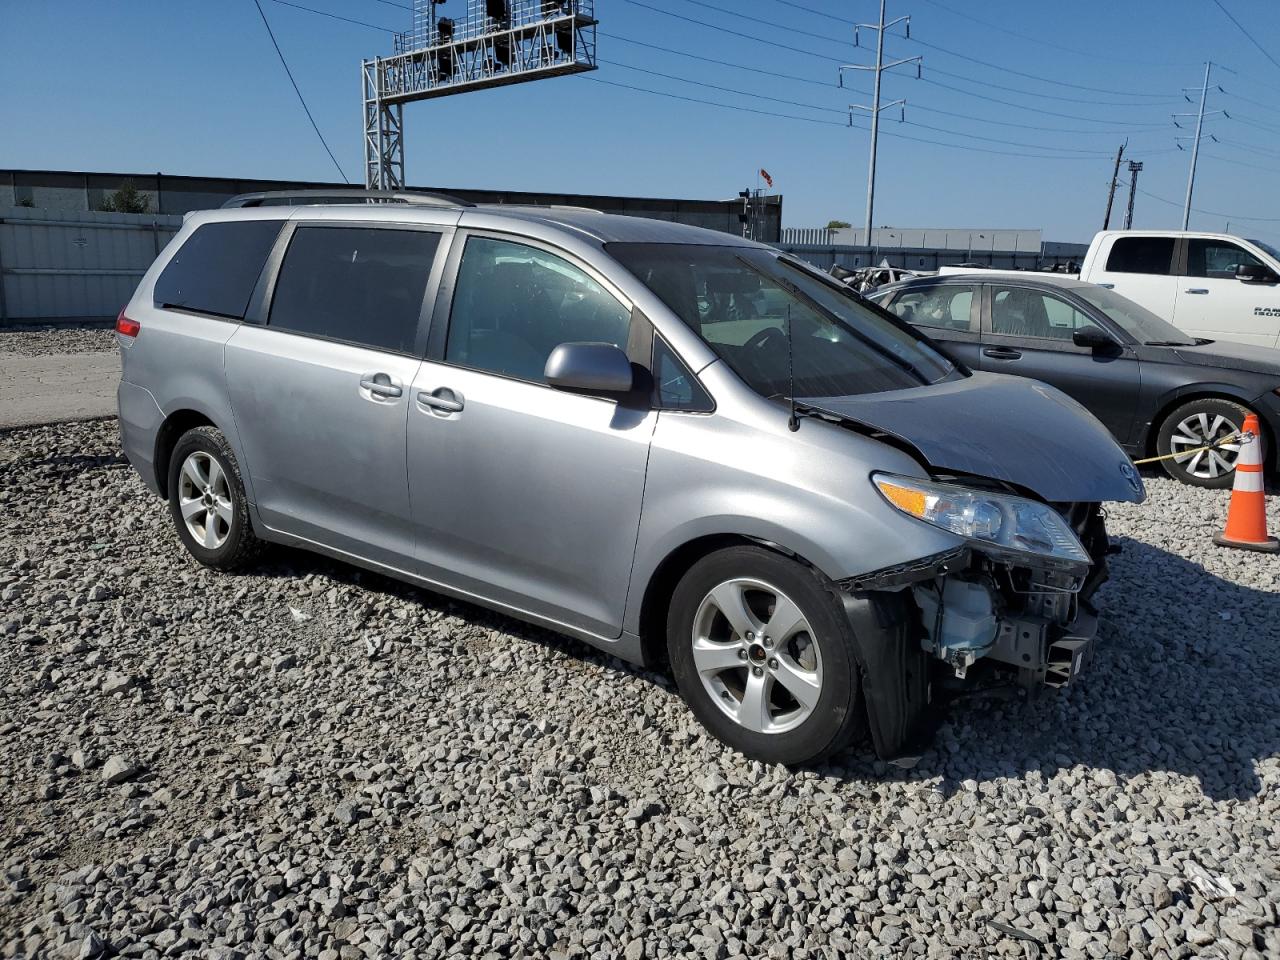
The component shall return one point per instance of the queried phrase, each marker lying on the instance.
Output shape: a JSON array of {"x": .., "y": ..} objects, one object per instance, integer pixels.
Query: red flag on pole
[{"x": 765, "y": 174}]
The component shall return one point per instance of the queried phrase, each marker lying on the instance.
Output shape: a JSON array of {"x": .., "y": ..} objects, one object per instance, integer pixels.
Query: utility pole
[
  {"x": 875, "y": 107},
  {"x": 1111, "y": 191},
  {"x": 1195, "y": 141},
  {"x": 1135, "y": 167}
]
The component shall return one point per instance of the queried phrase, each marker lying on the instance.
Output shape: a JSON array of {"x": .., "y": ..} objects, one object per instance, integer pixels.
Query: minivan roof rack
[{"x": 291, "y": 198}]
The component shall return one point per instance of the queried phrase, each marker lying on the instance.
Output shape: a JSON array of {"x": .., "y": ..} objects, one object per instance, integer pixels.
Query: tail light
[{"x": 126, "y": 326}]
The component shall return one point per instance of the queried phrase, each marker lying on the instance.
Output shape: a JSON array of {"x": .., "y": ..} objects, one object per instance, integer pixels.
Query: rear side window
[
  {"x": 216, "y": 270},
  {"x": 1152, "y": 255},
  {"x": 946, "y": 307},
  {"x": 361, "y": 285}
]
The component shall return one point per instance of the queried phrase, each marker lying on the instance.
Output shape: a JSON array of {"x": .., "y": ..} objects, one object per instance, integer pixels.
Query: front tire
[
  {"x": 1197, "y": 424},
  {"x": 207, "y": 500},
  {"x": 763, "y": 654}
]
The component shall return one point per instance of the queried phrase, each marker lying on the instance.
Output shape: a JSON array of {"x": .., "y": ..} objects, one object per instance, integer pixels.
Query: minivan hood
[{"x": 1008, "y": 428}]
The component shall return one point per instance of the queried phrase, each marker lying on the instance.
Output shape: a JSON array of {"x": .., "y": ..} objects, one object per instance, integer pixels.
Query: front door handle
[
  {"x": 381, "y": 385},
  {"x": 1002, "y": 353},
  {"x": 1197, "y": 290},
  {"x": 442, "y": 400}
]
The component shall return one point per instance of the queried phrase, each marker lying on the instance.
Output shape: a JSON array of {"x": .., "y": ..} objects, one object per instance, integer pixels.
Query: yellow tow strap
[{"x": 1242, "y": 437}]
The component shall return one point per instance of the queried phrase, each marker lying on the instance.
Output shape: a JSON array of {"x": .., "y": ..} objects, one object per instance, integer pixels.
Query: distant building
[
  {"x": 75, "y": 191},
  {"x": 927, "y": 248}
]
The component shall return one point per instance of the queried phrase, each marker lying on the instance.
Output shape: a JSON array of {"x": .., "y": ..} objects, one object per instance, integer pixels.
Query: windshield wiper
[{"x": 1170, "y": 343}]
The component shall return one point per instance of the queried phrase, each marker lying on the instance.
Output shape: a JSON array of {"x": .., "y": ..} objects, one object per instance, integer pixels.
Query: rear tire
[
  {"x": 1196, "y": 424},
  {"x": 207, "y": 500},
  {"x": 791, "y": 698}
]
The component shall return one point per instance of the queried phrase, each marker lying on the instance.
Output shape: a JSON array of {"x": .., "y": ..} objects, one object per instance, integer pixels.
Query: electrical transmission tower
[
  {"x": 1195, "y": 141},
  {"x": 1135, "y": 167},
  {"x": 488, "y": 43},
  {"x": 874, "y": 109}
]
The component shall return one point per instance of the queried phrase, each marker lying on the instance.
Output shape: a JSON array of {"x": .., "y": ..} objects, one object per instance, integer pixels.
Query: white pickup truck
[
  {"x": 1209, "y": 285},
  {"x": 1206, "y": 284}
]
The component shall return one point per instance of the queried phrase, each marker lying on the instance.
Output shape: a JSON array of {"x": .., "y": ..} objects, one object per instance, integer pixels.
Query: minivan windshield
[
  {"x": 1137, "y": 321},
  {"x": 772, "y": 319}
]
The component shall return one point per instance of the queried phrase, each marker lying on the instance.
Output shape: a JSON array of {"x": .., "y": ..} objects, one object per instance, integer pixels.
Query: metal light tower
[
  {"x": 489, "y": 43},
  {"x": 879, "y": 68}
]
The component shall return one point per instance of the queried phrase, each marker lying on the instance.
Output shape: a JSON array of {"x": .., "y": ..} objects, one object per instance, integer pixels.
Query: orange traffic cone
[{"x": 1247, "y": 515}]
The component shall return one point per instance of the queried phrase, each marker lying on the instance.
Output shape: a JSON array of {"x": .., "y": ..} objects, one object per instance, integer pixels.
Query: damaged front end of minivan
[{"x": 1012, "y": 602}]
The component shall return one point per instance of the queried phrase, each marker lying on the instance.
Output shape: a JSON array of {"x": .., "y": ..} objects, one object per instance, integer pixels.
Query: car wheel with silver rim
[
  {"x": 1186, "y": 431},
  {"x": 207, "y": 500},
  {"x": 762, "y": 652}
]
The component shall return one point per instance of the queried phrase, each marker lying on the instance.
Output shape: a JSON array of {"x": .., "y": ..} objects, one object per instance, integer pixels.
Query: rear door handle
[
  {"x": 1197, "y": 290},
  {"x": 381, "y": 385},
  {"x": 442, "y": 400},
  {"x": 1002, "y": 353}
]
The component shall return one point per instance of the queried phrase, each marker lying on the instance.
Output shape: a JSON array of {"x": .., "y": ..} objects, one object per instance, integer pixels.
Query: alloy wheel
[
  {"x": 1199, "y": 430},
  {"x": 204, "y": 498},
  {"x": 756, "y": 656}
]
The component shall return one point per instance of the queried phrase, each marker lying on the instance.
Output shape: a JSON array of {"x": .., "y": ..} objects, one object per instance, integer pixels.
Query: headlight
[{"x": 997, "y": 520}]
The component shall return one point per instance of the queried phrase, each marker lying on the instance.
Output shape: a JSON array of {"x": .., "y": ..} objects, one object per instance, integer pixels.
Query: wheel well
[
  {"x": 174, "y": 426},
  {"x": 1153, "y": 431},
  {"x": 661, "y": 586}
]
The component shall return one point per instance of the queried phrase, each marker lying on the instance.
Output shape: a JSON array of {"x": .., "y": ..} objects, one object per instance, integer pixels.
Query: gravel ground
[
  {"x": 309, "y": 761},
  {"x": 42, "y": 341}
]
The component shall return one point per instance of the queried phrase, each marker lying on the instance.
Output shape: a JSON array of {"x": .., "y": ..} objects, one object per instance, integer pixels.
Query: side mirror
[
  {"x": 1093, "y": 337},
  {"x": 1255, "y": 273},
  {"x": 589, "y": 368}
]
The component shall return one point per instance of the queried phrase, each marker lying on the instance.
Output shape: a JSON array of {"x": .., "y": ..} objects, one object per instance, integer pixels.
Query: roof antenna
[{"x": 793, "y": 422}]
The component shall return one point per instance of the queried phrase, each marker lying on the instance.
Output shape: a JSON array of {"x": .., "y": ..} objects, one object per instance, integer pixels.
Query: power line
[
  {"x": 301, "y": 99},
  {"x": 1242, "y": 163},
  {"x": 735, "y": 33},
  {"x": 1035, "y": 39},
  {"x": 768, "y": 23},
  {"x": 787, "y": 116},
  {"x": 1022, "y": 106},
  {"x": 1094, "y": 101},
  {"x": 825, "y": 84},
  {"x": 712, "y": 86},
  {"x": 1252, "y": 39},
  {"x": 1210, "y": 213},
  {"x": 393, "y": 3},
  {"x": 334, "y": 16}
]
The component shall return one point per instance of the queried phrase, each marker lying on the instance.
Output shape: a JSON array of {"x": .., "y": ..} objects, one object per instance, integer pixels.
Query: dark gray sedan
[{"x": 1157, "y": 389}]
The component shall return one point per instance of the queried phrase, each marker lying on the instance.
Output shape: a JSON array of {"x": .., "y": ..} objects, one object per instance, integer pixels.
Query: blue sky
[{"x": 195, "y": 88}]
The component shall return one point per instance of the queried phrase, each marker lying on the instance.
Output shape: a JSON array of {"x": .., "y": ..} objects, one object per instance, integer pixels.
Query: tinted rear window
[
  {"x": 1141, "y": 255},
  {"x": 358, "y": 284},
  {"x": 216, "y": 270}
]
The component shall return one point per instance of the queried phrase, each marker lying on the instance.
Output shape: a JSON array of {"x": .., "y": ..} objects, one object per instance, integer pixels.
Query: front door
[
  {"x": 521, "y": 493},
  {"x": 1028, "y": 333},
  {"x": 321, "y": 392},
  {"x": 1213, "y": 303}
]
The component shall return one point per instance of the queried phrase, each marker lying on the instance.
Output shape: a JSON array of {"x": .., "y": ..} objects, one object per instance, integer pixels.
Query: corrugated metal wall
[
  {"x": 74, "y": 265},
  {"x": 930, "y": 259}
]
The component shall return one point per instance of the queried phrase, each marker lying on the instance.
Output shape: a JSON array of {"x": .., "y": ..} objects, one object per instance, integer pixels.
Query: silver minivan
[{"x": 687, "y": 449}]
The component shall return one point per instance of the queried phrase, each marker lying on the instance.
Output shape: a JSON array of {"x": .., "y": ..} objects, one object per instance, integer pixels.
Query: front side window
[
  {"x": 774, "y": 320},
  {"x": 217, "y": 268},
  {"x": 945, "y": 307},
  {"x": 674, "y": 387},
  {"x": 361, "y": 285},
  {"x": 1217, "y": 259},
  {"x": 514, "y": 304},
  {"x": 1152, "y": 255},
  {"x": 1021, "y": 312}
]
